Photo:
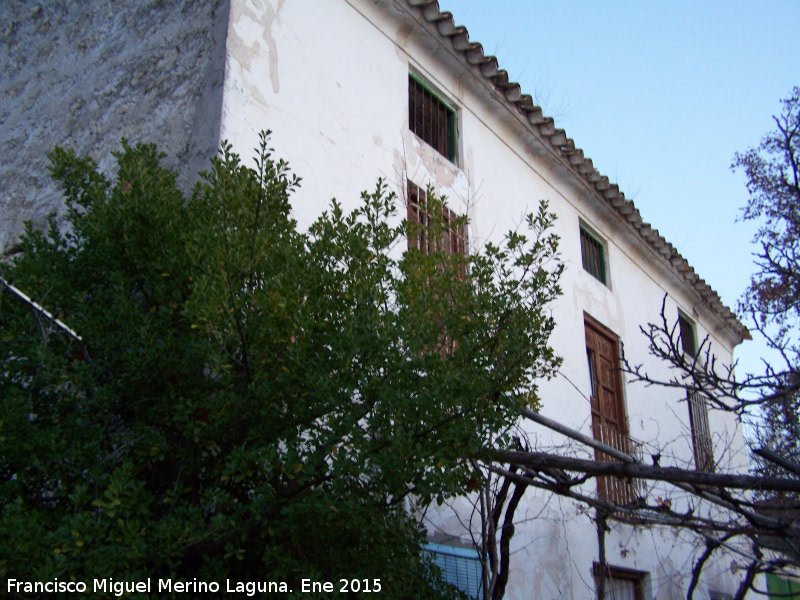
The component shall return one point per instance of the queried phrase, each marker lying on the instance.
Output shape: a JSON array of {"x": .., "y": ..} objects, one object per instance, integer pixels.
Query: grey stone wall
[{"x": 85, "y": 74}]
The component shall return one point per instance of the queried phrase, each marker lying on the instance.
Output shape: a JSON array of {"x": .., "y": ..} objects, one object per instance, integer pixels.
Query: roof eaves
[{"x": 574, "y": 157}]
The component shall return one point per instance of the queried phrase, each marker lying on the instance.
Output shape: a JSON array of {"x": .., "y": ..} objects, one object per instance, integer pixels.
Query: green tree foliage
[{"x": 248, "y": 401}]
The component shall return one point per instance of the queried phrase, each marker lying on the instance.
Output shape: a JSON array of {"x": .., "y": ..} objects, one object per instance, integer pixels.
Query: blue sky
[{"x": 660, "y": 96}]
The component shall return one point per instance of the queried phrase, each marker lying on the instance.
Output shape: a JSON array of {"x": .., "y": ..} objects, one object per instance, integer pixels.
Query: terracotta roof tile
[{"x": 574, "y": 157}]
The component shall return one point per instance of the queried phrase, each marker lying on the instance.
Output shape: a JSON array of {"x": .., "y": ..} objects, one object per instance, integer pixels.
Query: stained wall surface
[{"x": 86, "y": 74}]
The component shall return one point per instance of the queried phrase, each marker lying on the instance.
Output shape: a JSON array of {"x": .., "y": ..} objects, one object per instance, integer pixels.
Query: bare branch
[{"x": 539, "y": 460}]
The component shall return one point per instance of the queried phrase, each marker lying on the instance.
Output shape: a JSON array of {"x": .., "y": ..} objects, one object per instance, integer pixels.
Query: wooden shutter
[
  {"x": 609, "y": 421},
  {"x": 602, "y": 349},
  {"x": 453, "y": 239},
  {"x": 701, "y": 432}
]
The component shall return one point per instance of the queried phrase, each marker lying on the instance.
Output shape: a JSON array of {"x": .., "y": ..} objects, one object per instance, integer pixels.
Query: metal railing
[{"x": 621, "y": 491}]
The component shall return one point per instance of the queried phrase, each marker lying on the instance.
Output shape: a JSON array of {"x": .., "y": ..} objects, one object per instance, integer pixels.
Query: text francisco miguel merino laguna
[{"x": 251, "y": 588}]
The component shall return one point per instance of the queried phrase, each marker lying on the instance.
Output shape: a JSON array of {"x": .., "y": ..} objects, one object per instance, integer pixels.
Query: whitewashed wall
[{"x": 331, "y": 80}]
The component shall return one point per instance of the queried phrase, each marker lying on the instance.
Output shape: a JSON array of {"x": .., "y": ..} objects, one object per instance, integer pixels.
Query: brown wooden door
[
  {"x": 602, "y": 349},
  {"x": 609, "y": 421}
]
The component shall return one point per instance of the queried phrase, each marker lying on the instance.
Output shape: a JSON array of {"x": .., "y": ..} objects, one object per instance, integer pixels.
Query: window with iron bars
[
  {"x": 593, "y": 256},
  {"x": 701, "y": 433},
  {"x": 460, "y": 567},
  {"x": 688, "y": 344},
  {"x": 453, "y": 238},
  {"x": 431, "y": 119}
]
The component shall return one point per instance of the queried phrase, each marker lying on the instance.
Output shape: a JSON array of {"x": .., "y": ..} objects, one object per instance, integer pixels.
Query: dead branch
[{"x": 539, "y": 460}]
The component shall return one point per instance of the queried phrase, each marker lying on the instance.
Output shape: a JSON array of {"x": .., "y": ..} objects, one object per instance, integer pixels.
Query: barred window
[
  {"x": 431, "y": 119},
  {"x": 460, "y": 567},
  {"x": 453, "y": 239},
  {"x": 688, "y": 344},
  {"x": 593, "y": 256}
]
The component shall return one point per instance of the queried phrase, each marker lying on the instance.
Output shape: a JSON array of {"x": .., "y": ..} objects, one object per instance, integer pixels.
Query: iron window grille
[
  {"x": 593, "y": 256},
  {"x": 688, "y": 344},
  {"x": 460, "y": 567},
  {"x": 431, "y": 119}
]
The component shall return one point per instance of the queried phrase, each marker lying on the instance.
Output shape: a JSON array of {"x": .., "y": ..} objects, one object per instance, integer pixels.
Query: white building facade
[{"x": 335, "y": 81}]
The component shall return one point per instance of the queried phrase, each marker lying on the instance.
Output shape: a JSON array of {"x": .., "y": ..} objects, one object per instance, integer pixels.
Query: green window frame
[
  {"x": 688, "y": 340},
  {"x": 593, "y": 255},
  {"x": 782, "y": 588}
]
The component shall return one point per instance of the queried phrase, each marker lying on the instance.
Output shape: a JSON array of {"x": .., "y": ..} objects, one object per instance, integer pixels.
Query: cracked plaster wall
[{"x": 84, "y": 75}]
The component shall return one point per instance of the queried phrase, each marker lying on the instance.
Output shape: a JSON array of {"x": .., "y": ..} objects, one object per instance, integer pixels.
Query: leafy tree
[
  {"x": 773, "y": 298},
  {"x": 237, "y": 399}
]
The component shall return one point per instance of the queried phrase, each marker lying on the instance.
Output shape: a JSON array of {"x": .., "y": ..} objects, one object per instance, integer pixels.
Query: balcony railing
[{"x": 620, "y": 491}]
